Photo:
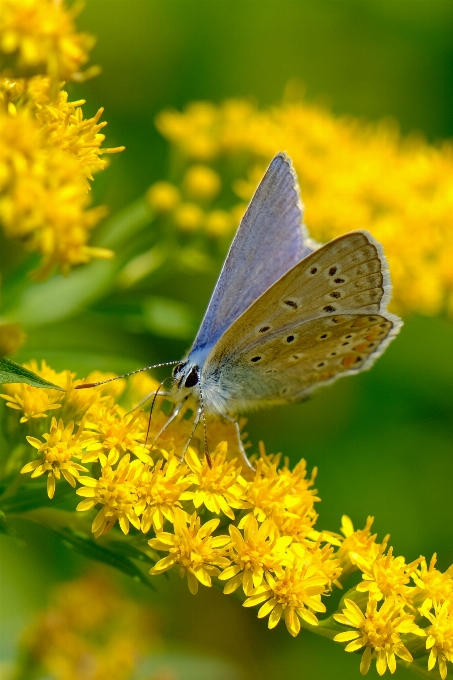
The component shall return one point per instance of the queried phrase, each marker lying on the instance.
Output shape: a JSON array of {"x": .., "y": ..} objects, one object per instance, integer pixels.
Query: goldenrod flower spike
[
  {"x": 192, "y": 547},
  {"x": 57, "y": 451},
  {"x": 379, "y": 631},
  {"x": 398, "y": 189}
]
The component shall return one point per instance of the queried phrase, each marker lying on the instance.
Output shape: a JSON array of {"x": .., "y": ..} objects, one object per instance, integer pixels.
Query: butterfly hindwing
[
  {"x": 293, "y": 338},
  {"x": 270, "y": 240}
]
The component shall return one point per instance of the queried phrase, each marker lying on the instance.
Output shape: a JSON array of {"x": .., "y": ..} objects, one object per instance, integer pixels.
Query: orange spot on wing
[
  {"x": 349, "y": 360},
  {"x": 361, "y": 348}
]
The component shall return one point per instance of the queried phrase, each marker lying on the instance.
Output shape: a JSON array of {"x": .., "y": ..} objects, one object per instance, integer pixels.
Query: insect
[{"x": 287, "y": 314}]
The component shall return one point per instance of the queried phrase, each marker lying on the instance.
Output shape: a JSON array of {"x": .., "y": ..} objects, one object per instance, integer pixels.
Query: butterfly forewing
[
  {"x": 326, "y": 317},
  {"x": 270, "y": 240}
]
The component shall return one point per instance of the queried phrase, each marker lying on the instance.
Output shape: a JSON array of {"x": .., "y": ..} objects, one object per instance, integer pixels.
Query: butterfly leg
[
  {"x": 240, "y": 444},
  {"x": 145, "y": 399},
  {"x": 194, "y": 427},
  {"x": 174, "y": 414}
]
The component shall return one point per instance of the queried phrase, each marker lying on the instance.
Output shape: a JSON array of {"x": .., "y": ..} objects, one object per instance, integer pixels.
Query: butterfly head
[{"x": 186, "y": 376}]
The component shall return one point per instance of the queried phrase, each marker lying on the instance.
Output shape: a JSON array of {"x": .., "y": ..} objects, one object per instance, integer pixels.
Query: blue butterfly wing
[{"x": 270, "y": 240}]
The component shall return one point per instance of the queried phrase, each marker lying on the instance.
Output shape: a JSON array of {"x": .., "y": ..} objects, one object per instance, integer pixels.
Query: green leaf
[
  {"x": 10, "y": 372},
  {"x": 94, "y": 551}
]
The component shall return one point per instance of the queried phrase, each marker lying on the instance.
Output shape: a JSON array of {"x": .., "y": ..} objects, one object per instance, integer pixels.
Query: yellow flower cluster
[
  {"x": 47, "y": 150},
  {"x": 353, "y": 175},
  {"x": 39, "y": 36},
  {"x": 394, "y": 602},
  {"x": 250, "y": 531},
  {"x": 90, "y": 629}
]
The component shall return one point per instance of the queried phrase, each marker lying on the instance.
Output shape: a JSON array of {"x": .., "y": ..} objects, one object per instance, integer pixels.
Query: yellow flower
[
  {"x": 40, "y": 36},
  {"x": 11, "y": 338},
  {"x": 379, "y": 632},
  {"x": 293, "y": 592},
  {"x": 64, "y": 127},
  {"x": 111, "y": 432},
  {"x": 56, "y": 455},
  {"x": 254, "y": 555},
  {"x": 34, "y": 402},
  {"x": 188, "y": 217},
  {"x": 321, "y": 556},
  {"x": 385, "y": 576},
  {"x": 192, "y": 546},
  {"x": 433, "y": 586},
  {"x": 218, "y": 223},
  {"x": 163, "y": 197},
  {"x": 440, "y": 636},
  {"x": 394, "y": 187},
  {"x": 220, "y": 487},
  {"x": 116, "y": 491},
  {"x": 202, "y": 183},
  {"x": 159, "y": 491},
  {"x": 359, "y": 541},
  {"x": 278, "y": 493},
  {"x": 43, "y": 197}
]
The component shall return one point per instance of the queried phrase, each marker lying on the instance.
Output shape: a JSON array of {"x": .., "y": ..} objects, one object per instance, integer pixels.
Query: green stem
[
  {"x": 125, "y": 224},
  {"x": 412, "y": 666},
  {"x": 13, "y": 487},
  {"x": 55, "y": 519}
]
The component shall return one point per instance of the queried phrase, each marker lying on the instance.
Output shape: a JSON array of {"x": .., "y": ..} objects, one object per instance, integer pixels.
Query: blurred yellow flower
[
  {"x": 116, "y": 491},
  {"x": 11, "y": 338},
  {"x": 39, "y": 36},
  {"x": 57, "y": 452},
  {"x": 188, "y": 217},
  {"x": 201, "y": 182},
  {"x": 219, "y": 223},
  {"x": 163, "y": 197},
  {"x": 378, "y": 631},
  {"x": 353, "y": 175},
  {"x": 192, "y": 547}
]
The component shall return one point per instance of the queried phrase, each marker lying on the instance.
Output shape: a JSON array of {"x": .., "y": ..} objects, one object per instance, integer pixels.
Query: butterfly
[{"x": 287, "y": 314}]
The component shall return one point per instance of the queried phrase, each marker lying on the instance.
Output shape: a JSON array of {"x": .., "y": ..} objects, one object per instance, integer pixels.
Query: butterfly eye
[
  {"x": 178, "y": 368},
  {"x": 192, "y": 378}
]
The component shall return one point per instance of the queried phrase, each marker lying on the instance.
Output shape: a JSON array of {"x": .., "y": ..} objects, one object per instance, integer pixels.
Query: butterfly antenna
[
  {"x": 206, "y": 449},
  {"x": 152, "y": 406},
  {"x": 125, "y": 375}
]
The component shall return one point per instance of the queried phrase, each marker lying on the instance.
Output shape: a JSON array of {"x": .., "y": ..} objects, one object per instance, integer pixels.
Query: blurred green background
[{"x": 382, "y": 440}]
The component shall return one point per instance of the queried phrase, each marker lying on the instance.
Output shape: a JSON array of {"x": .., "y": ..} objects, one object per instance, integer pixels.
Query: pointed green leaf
[{"x": 10, "y": 372}]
